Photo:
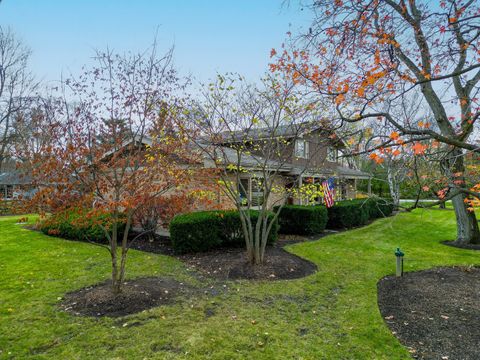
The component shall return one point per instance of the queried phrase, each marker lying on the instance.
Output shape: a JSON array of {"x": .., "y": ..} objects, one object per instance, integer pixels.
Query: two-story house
[{"x": 307, "y": 154}]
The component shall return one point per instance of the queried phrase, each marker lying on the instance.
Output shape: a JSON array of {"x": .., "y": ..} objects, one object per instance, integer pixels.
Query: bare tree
[
  {"x": 16, "y": 86},
  {"x": 248, "y": 132}
]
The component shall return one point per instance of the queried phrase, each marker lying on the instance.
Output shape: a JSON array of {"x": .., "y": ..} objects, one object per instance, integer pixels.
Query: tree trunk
[
  {"x": 467, "y": 224},
  {"x": 394, "y": 187},
  {"x": 116, "y": 284}
]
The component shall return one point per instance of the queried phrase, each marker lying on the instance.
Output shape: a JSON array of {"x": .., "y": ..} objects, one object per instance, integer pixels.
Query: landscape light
[{"x": 399, "y": 255}]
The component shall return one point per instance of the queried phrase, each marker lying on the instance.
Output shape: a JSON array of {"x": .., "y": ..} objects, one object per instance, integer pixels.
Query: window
[
  {"x": 6, "y": 191},
  {"x": 301, "y": 148},
  {"x": 250, "y": 191},
  {"x": 331, "y": 154},
  {"x": 257, "y": 192}
]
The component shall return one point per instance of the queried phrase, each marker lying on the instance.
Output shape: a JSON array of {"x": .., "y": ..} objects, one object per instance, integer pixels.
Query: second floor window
[
  {"x": 301, "y": 148},
  {"x": 332, "y": 154}
]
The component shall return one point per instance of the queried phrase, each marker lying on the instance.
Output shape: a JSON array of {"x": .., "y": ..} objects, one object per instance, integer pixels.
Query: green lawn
[{"x": 332, "y": 314}]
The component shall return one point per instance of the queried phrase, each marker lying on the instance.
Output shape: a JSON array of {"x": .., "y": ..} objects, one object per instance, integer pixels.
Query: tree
[
  {"x": 16, "y": 87},
  {"x": 369, "y": 56},
  {"x": 246, "y": 133},
  {"x": 114, "y": 145}
]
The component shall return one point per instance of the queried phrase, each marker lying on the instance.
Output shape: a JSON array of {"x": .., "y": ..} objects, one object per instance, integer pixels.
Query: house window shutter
[{"x": 307, "y": 149}]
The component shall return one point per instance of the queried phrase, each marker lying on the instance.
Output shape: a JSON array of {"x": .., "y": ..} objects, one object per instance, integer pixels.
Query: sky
[{"x": 209, "y": 36}]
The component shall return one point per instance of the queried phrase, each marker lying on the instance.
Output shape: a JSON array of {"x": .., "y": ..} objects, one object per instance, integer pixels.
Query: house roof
[
  {"x": 338, "y": 171},
  {"x": 14, "y": 177},
  {"x": 281, "y": 131},
  {"x": 227, "y": 155}
]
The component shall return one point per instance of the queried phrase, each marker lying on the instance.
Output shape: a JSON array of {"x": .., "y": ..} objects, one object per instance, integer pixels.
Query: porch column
[
  {"x": 300, "y": 181},
  {"x": 369, "y": 186}
]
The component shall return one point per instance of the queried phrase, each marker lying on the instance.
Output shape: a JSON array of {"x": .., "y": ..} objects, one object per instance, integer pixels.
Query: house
[
  {"x": 308, "y": 153},
  {"x": 14, "y": 183}
]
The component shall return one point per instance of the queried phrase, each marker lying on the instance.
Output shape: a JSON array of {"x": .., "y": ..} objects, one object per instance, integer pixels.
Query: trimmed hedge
[
  {"x": 347, "y": 214},
  {"x": 77, "y": 224},
  {"x": 377, "y": 207},
  {"x": 352, "y": 213},
  {"x": 206, "y": 230},
  {"x": 302, "y": 220},
  {"x": 380, "y": 207}
]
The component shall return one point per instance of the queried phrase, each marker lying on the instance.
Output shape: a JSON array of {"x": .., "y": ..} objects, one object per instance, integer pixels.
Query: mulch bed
[
  {"x": 462, "y": 246},
  {"x": 435, "y": 313},
  {"x": 232, "y": 264},
  {"x": 161, "y": 244},
  {"x": 137, "y": 295}
]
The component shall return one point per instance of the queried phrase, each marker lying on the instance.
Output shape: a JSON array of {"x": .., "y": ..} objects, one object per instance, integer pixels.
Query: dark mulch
[
  {"x": 462, "y": 246},
  {"x": 137, "y": 295},
  {"x": 232, "y": 264},
  {"x": 435, "y": 313},
  {"x": 161, "y": 244}
]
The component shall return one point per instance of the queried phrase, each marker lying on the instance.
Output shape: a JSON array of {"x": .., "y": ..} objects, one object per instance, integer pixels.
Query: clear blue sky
[{"x": 209, "y": 35}]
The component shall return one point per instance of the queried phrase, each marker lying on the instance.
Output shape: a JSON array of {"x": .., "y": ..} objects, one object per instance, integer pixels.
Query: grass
[{"x": 332, "y": 314}]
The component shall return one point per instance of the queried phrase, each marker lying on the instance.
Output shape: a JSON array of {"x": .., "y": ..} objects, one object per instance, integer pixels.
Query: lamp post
[{"x": 399, "y": 255}]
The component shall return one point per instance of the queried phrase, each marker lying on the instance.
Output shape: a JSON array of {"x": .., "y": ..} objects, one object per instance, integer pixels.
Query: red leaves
[
  {"x": 419, "y": 149},
  {"x": 331, "y": 31},
  {"x": 376, "y": 158},
  {"x": 339, "y": 99},
  {"x": 394, "y": 135}
]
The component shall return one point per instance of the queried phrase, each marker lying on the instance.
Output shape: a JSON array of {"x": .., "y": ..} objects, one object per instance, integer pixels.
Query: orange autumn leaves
[{"x": 416, "y": 148}]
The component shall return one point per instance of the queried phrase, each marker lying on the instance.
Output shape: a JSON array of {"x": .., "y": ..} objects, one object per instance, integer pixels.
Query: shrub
[
  {"x": 377, "y": 207},
  {"x": 206, "y": 230},
  {"x": 302, "y": 220},
  {"x": 347, "y": 214},
  {"x": 80, "y": 224}
]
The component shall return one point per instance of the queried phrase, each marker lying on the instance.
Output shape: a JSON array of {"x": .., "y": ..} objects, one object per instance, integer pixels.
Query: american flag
[{"x": 329, "y": 192}]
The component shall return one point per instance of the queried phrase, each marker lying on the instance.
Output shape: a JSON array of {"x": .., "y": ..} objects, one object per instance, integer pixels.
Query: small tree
[
  {"x": 114, "y": 144},
  {"x": 247, "y": 133},
  {"x": 16, "y": 87}
]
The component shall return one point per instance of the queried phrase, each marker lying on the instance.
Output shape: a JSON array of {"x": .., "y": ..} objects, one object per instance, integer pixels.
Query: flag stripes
[{"x": 329, "y": 192}]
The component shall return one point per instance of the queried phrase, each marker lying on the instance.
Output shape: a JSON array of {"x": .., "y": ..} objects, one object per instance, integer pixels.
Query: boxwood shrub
[
  {"x": 383, "y": 207},
  {"x": 347, "y": 214},
  {"x": 351, "y": 213},
  {"x": 377, "y": 207},
  {"x": 206, "y": 230},
  {"x": 302, "y": 220},
  {"x": 79, "y": 224}
]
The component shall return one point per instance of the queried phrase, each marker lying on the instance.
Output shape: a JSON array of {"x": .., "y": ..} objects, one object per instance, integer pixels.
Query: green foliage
[
  {"x": 302, "y": 220},
  {"x": 80, "y": 224},
  {"x": 37, "y": 271},
  {"x": 378, "y": 207},
  {"x": 206, "y": 230},
  {"x": 352, "y": 213},
  {"x": 347, "y": 214}
]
